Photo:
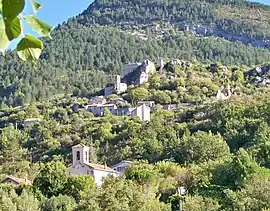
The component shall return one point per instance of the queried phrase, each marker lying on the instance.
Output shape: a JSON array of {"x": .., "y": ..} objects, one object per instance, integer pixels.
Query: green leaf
[
  {"x": 13, "y": 28},
  {"x": 12, "y": 8},
  {"x": 1, "y": 6},
  {"x": 4, "y": 41},
  {"x": 39, "y": 26},
  {"x": 29, "y": 48},
  {"x": 36, "y": 6}
]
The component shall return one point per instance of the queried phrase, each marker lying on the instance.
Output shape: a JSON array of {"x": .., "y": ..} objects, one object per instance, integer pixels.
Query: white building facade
[
  {"x": 143, "y": 112},
  {"x": 81, "y": 166}
]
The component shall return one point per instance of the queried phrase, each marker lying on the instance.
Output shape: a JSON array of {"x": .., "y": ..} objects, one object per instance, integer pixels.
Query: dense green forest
[
  {"x": 78, "y": 56},
  {"x": 81, "y": 50}
]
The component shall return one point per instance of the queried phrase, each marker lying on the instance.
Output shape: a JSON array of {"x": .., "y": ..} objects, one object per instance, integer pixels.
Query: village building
[
  {"x": 130, "y": 68},
  {"x": 124, "y": 111},
  {"x": 31, "y": 121},
  {"x": 139, "y": 74},
  {"x": 171, "y": 107},
  {"x": 16, "y": 181},
  {"x": 81, "y": 166},
  {"x": 143, "y": 112},
  {"x": 118, "y": 87},
  {"x": 118, "y": 100},
  {"x": 150, "y": 104},
  {"x": 98, "y": 110},
  {"x": 97, "y": 100},
  {"x": 120, "y": 167}
]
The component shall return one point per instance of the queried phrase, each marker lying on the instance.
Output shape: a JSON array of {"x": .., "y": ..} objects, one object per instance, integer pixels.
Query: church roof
[
  {"x": 100, "y": 167},
  {"x": 79, "y": 145}
]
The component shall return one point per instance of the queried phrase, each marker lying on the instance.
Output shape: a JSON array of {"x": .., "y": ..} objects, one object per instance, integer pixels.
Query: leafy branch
[{"x": 11, "y": 28}]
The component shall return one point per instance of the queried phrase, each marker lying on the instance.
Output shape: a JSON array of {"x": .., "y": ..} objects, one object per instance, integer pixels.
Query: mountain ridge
[{"x": 235, "y": 20}]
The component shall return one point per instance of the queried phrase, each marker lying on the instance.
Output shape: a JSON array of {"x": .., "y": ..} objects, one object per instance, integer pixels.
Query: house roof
[
  {"x": 100, "y": 167},
  {"x": 17, "y": 180},
  {"x": 146, "y": 102},
  {"x": 123, "y": 161},
  {"x": 140, "y": 106},
  {"x": 32, "y": 119},
  {"x": 107, "y": 105},
  {"x": 99, "y": 105}
]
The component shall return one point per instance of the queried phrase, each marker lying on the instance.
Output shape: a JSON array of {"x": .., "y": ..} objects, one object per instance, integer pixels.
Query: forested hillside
[
  {"x": 81, "y": 50},
  {"x": 219, "y": 152},
  {"x": 76, "y": 55},
  {"x": 238, "y": 17}
]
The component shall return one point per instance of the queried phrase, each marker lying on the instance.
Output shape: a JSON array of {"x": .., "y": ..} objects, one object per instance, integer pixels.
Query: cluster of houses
[
  {"x": 98, "y": 105},
  {"x": 133, "y": 74}
]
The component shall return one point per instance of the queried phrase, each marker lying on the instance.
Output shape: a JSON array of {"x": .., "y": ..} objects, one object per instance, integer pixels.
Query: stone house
[
  {"x": 118, "y": 87},
  {"x": 31, "y": 121},
  {"x": 140, "y": 74},
  {"x": 97, "y": 100},
  {"x": 81, "y": 166},
  {"x": 130, "y": 68},
  {"x": 98, "y": 110},
  {"x": 16, "y": 180},
  {"x": 143, "y": 112},
  {"x": 120, "y": 167}
]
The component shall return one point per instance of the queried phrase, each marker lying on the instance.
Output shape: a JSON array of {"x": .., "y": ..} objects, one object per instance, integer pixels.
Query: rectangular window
[{"x": 86, "y": 156}]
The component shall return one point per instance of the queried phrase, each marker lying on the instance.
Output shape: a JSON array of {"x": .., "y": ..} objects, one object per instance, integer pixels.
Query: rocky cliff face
[
  {"x": 205, "y": 30},
  {"x": 235, "y": 20}
]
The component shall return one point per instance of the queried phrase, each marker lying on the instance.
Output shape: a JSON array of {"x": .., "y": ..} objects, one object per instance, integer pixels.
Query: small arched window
[{"x": 78, "y": 155}]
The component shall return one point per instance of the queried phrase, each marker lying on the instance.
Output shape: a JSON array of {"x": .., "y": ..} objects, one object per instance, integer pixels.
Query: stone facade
[
  {"x": 130, "y": 68},
  {"x": 140, "y": 74},
  {"x": 116, "y": 87},
  {"x": 143, "y": 112},
  {"x": 98, "y": 110}
]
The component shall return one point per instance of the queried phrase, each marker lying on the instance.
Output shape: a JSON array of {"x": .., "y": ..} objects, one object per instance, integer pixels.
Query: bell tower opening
[{"x": 78, "y": 155}]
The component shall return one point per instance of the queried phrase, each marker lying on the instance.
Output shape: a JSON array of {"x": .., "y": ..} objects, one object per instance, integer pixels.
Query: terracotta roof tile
[{"x": 100, "y": 167}]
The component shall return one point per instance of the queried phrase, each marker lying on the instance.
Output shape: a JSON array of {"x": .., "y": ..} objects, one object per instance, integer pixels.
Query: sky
[
  {"x": 55, "y": 12},
  {"x": 262, "y": 1},
  {"x": 58, "y": 11}
]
